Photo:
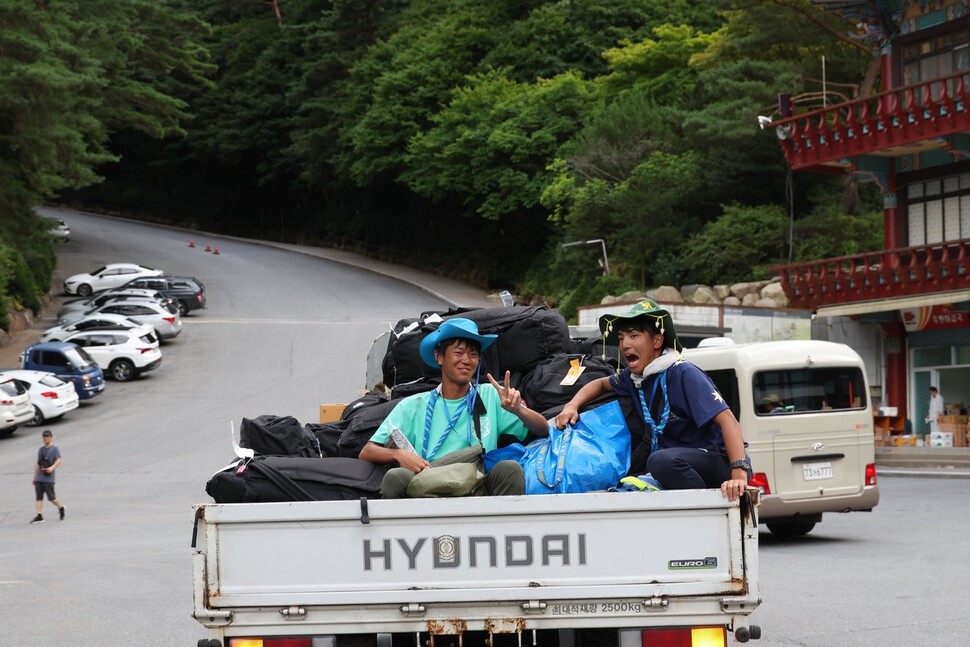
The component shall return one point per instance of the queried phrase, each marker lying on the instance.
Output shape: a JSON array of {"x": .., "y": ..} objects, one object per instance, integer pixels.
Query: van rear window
[{"x": 808, "y": 390}]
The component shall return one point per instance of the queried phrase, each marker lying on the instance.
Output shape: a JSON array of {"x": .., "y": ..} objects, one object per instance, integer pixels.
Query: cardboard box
[
  {"x": 941, "y": 439},
  {"x": 331, "y": 412},
  {"x": 959, "y": 431},
  {"x": 954, "y": 419}
]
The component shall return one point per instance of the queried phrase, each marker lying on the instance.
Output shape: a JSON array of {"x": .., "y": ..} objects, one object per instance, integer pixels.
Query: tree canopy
[{"x": 465, "y": 135}]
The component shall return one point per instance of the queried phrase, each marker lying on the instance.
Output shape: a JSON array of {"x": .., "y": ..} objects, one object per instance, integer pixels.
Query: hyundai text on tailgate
[{"x": 557, "y": 570}]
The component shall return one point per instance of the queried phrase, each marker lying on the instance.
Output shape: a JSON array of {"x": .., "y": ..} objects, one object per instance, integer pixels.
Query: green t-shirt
[{"x": 409, "y": 416}]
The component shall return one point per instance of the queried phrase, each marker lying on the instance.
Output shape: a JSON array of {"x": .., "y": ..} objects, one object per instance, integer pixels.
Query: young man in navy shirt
[{"x": 696, "y": 441}]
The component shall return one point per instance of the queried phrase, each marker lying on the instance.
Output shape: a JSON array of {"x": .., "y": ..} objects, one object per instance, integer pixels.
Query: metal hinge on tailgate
[
  {"x": 533, "y": 606},
  {"x": 293, "y": 613},
  {"x": 656, "y": 603},
  {"x": 413, "y": 609}
]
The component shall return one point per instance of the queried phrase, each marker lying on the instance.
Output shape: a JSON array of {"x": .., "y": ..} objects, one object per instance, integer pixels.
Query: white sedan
[
  {"x": 50, "y": 396},
  {"x": 109, "y": 276}
]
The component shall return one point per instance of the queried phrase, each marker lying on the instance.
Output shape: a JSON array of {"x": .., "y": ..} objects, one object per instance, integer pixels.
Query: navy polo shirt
[{"x": 694, "y": 402}]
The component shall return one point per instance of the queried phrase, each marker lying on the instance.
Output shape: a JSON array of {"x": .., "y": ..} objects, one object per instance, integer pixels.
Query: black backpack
[
  {"x": 542, "y": 389},
  {"x": 270, "y": 435}
]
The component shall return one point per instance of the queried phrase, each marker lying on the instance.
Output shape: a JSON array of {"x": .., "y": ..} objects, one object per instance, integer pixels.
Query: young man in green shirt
[{"x": 442, "y": 421}]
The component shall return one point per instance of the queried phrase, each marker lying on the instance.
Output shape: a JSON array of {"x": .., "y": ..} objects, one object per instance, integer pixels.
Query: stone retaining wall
[{"x": 762, "y": 294}]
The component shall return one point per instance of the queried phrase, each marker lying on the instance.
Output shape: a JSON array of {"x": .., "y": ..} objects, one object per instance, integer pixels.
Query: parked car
[
  {"x": 122, "y": 354},
  {"x": 188, "y": 291},
  {"x": 59, "y": 229},
  {"x": 50, "y": 396},
  {"x": 98, "y": 321},
  {"x": 165, "y": 320},
  {"x": 106, "y": 277},
  {"x": 67, "y": 361},
  {"x": 99, "y": 299},
  {"x": 15, "y": 407}
]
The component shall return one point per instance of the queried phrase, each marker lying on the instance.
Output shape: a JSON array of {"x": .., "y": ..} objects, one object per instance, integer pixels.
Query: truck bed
[{"x": 501, "y": 564}]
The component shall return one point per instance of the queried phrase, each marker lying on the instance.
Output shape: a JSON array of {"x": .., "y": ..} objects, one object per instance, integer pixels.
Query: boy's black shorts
[{"x": 40, "y": 489}]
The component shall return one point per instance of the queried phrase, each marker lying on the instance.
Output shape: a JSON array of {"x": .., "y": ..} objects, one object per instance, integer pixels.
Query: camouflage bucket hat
[{"x": 658, "y": 321}]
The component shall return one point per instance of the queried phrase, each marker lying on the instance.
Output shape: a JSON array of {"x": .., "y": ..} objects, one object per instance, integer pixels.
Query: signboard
[{"x": 934, "y": 318}]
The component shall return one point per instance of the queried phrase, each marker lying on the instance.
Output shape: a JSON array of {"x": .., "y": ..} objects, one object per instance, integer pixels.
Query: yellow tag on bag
[{"x": 575, "y": 370}]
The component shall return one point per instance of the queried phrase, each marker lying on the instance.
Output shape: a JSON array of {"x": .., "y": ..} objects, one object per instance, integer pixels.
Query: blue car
[{"x": 69, "y": 362}]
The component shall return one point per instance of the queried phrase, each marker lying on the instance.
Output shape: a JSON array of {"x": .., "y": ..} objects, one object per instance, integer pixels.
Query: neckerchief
[
  {"x": 452, "y": 420},
  {"x": 659, "y": 365}
]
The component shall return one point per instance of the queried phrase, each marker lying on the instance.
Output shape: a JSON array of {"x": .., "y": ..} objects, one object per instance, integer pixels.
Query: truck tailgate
[{"x": 424, "y": 551}]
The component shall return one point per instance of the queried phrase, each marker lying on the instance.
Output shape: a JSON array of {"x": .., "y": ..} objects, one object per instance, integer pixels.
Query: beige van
[{"x": 805, "y": 412}]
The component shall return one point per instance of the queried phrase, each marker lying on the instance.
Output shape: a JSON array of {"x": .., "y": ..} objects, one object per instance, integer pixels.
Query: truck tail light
[
  {"x": 271, "y": 642},
  {"x": 760, "y": 481},
  {"x": 50, "y": 395},
  {"x": 690, "y": 637},
  {"x": 871, "y": 477}
]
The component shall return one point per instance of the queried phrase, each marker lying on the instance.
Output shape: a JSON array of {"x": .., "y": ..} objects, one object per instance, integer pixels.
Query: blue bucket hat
[{"x": 450, "y": 329}]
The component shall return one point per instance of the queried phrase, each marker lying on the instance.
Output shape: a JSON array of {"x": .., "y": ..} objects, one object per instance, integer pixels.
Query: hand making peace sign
[{"x": 511, "y": 398}]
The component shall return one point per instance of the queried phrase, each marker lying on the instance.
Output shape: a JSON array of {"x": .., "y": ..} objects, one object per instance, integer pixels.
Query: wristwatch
[{"x": 743, "y": 464}]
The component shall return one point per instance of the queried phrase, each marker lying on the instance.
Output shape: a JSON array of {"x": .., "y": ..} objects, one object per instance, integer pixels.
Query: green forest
[{"x": 471, "y": 138}]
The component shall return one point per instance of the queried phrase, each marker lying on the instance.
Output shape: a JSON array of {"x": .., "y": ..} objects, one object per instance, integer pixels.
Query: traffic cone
[
  {"x": 215, "y": 251},
  {"x": 191, "y": 243},
  {"x": 208, "y": 249}
]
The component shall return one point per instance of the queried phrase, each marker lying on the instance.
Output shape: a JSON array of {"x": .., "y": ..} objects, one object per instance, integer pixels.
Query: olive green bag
[{"x": 459, "y": 473}]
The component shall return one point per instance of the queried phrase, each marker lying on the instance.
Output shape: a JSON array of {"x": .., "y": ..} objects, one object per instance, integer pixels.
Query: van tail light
[
  {"x": 871, "y": 477},
  {"x": 50, "y": 395},
  {"x": 760, "y": 481},
  {"x": 684, "y": 637},
  {"x": 171, "y": 320}
]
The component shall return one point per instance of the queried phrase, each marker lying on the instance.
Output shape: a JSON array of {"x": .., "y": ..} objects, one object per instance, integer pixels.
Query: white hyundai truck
[
  {"x": 622, "y": 569},
  {"x": 576, "y": 570}
]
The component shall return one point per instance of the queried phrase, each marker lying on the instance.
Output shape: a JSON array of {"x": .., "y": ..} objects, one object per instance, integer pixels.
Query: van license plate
[{"x": 817, "y": 471}]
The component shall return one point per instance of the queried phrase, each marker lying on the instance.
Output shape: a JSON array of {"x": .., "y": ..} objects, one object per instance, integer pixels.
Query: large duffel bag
[
  {"x": 328, "y": 434},
  {"x": 526, "y": 336},
  {"x": 270, "y": 435},
  {"x": 288, "y": 478},
  {"x": 402, "y": 363},
  {"x": 358, "y": 422},
  {"x": 543, "y": 388},
  {"x": 364, "y": 421}
]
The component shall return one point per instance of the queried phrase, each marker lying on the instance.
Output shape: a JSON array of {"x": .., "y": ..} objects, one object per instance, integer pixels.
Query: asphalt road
[
  {"x": 285, "y": 332},
  {"x": 282, "y": 333}
]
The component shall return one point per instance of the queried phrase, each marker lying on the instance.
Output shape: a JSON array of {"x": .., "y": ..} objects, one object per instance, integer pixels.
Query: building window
[
  {"x": 935, "y": 56},
  {"x": 939, "y": 210}
]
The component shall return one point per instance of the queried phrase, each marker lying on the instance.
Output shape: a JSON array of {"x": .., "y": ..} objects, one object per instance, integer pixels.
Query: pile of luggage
[{"x": 318, "y": 461}]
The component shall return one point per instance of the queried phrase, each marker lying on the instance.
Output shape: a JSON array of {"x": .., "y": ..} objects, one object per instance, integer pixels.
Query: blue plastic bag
[{"x": 593, "y": 454}]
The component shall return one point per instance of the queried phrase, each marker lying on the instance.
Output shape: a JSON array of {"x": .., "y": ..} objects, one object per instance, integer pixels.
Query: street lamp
[{"x": 606, "y": 263}]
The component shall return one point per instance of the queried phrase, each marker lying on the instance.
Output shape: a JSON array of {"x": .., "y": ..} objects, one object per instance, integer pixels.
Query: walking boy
[{"x": 48, "y": 458}]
